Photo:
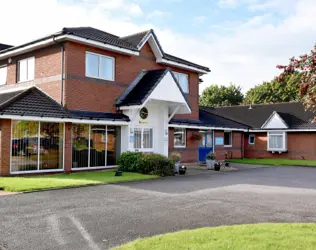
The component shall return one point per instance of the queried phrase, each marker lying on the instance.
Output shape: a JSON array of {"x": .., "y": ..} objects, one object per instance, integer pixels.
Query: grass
[
  {"x": 257, "y": 236},
  {"x": 275, "y": 162},
  {"x": 20, "y": 184}
]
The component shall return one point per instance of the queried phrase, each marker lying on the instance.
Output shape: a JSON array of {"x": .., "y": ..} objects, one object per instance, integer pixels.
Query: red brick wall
[
  {"x": 300, "y": 146},
  {"x": 190, "y": 153},
  {"x": 235, "y": 151},
  {"x": 98, "y": 95},
  {"x": 5, "y": 146}
]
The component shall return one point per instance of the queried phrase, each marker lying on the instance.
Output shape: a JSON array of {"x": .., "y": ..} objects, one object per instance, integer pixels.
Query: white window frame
[
  {"x": 99, "y": 66},
  {"x": 254, "y": 139},
  {"x": 284, "y": 135},
  {"x": 142, "y": 149},
  {"x": 6, "y": 74},
  {"x": 185, "y": 138},
  {"x": 27, "y": 66},
  {"x": 187, "y": 76},
  {"x": 231, "y": 139}
]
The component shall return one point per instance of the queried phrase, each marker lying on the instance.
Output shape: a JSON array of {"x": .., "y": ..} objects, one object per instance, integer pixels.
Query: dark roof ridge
[{"x": 65, "y": 29}]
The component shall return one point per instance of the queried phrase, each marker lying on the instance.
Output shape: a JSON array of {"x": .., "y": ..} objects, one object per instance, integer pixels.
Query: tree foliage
[
  {"x": 275, "y": 91},
  {"x": 216, "y": 95},
  {"x": 306, "y": 65}
]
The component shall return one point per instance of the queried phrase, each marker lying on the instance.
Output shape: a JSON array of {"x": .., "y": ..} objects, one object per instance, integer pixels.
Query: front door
[{"x": 206, "y": 145}]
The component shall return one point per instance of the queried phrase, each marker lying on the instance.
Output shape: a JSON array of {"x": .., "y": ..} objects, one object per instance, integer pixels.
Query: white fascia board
[
  {"x": 152, "y": 38},
  {"x": 205, "y": 127},
  {"x": 131, "y": 107},
  {"x": 50, "y": 41},
  {"x": 180, "y": 65},
  {"x": 281, "y": 130},
  {"x": 50, "y": 119}
]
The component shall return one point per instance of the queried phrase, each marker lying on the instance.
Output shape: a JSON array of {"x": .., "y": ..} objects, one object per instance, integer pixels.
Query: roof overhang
[
  {"x": 205, "y": 127},
  {"x": 180, "y": 65}
]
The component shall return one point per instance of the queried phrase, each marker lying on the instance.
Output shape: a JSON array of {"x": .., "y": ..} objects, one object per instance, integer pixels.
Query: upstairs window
[
  {"x": 3, "y": 75},
  {"x": 227, "y": 138},
  {"x": 277, "y": 141},
  {"x": 99, "y": 66},
  {"x": 26, "y": 69},
  {"x": 183, "y": 80}
]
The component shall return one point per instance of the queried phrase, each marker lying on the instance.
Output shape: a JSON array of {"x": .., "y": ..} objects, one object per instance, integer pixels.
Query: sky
[{"x": 241, "y": 41}]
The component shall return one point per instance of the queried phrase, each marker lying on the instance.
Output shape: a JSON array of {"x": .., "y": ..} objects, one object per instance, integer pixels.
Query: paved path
[{"x": 100, "y": 217}]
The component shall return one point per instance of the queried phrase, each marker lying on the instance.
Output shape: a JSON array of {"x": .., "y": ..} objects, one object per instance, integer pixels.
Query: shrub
[
  {"x": 154, "y": 164},
  {"x": 211, "y": 156},
  {"x": 175, "y": 156},
  {"x": 130, "y": 162}
]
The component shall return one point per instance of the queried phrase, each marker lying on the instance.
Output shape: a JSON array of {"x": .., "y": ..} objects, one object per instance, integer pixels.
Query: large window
[
  {"x": 143, "y": 138},
  {"x": 3, "y": 75},
  {"x": 94, "y": 145},
  {"x": 277, "y": 141},
  {"x": 183, "y": 80},
  {"x": 227, "y": 139},
  {"x": 99, "y": 66},
  {"x": 36, "y": 146},
  {"x": 179, "y": 137},
  {"x": 26, "y": 68}
]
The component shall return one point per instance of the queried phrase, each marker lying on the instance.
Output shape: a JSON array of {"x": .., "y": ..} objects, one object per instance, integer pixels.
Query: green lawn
[
  {"x": 19, "y": 184},
  {"x": 257, "y": 236},
  {"x": 275, "y": 162}
]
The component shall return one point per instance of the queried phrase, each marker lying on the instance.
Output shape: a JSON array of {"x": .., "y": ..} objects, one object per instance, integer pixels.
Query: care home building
[{"x": 75, "y": 100}]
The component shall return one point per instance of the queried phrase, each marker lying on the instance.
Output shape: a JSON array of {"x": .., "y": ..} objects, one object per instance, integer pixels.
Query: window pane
[
  {"x": 148, "y": 138},
  {"x": 251, "y": 139},
  {"x": 276, "y": 141},
  {"x": 227, "y": 139},
  {"x": 97, "y": 146},
  {"x": 3, "y": 75},
  {"x": 137, "y": 138},
  {"x": 113, "y": 145},
  {"x": 184, "y": 83},
  {"x": 179, "y": 137},
  {"x": 203, "y": 140},
  {"x": 30, "y": 69},
  {"x": 209, "y": 142},
  {"x": 24, "y": 146},
  {"x": 80, "y": 145},
  {"x": 107, "y": 65},
  {"x": 51, "y": 145},
  {"x": 92, "y": 65},
  {"x": 22, "y": 70}
]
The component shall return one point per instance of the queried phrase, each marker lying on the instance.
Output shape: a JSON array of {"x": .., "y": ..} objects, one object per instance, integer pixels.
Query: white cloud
[
  {"x": 246, "y": 55},
  {"x": 199, "y": 20},
  {"x": 157, "y": 14}
]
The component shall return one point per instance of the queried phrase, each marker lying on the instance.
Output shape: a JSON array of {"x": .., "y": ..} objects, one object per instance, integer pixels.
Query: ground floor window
[
  {"x": 251, "y": 139},
  {"x": 276, "y": 141},
  {"x": 95, "y": 145},
  {"x": 227, "y": 138},
  {"x": 36, "y": 146},
  {"x": 143, "y": 138},
  {"x": 179, "y": 137}
]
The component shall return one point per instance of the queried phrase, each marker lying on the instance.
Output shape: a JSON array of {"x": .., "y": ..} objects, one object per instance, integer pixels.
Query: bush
[
  {"x": 175, "y": 156},
  {"x": 154, "y": 164},
  {"x": 211, "y": 156}
]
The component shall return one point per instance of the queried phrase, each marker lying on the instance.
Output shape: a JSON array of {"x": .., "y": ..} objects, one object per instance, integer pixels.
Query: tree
[
  {"x": 275, "y": 91},
  {"x": 215, "y": 95},
  {"x": 306, "y": 65}
]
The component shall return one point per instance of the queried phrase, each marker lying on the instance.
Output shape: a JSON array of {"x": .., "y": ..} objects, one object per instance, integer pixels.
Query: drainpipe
[
  {"x": 62, "y": 69},
  {"x": 213, "y": 140},
  {"x": 243, "y": 145}
]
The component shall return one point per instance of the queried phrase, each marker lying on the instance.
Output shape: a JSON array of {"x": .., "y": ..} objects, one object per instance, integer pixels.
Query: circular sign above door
[{"x": 143, "y": 113}]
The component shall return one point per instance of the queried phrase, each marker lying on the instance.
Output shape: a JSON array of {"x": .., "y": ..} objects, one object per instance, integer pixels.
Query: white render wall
[{"x": 157, "y": 119}]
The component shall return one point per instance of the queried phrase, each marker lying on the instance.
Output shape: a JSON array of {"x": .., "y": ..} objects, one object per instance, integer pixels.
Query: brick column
[
  {"x": 68, "y": 148},
  {"x": 5, "y": 147}
]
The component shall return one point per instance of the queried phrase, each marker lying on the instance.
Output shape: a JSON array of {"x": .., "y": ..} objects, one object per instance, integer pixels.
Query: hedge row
[{"x": 154, "y": 164}]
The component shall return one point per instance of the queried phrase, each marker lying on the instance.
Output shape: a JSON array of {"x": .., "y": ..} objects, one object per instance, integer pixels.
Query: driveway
[{"x": 101, "y": 217}]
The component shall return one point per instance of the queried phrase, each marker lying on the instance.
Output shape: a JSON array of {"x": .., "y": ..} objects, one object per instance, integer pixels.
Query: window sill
[
  {"x": 25, "y": 81},
  {"x": 98, "y": 78},
  {"x": 228, "y": 146},
  {"x": 277, "y": 150},
  {"x": 179, "y": 146}
]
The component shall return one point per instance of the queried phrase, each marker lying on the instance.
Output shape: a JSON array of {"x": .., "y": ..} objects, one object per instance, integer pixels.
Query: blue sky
[{"x": 240, "y": 40}]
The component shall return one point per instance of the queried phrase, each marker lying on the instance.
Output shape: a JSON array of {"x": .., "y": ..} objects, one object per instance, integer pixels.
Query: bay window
[
  {"x": 100, "y": 66},
  {"x": 277, "y": 141},
  {"x": 143, "y": 139},
  {"x": 179, "y": 137},
  {"x": 26, "y": 68},
  {"x": 183, "y": 80}
]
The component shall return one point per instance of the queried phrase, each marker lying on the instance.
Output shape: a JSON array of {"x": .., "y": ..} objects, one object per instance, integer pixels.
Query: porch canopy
[{"x": 155, "y": 85}]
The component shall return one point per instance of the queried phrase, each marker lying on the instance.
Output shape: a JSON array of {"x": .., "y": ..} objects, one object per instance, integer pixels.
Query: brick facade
[
  {"x": 300, "y": 146},
  {"x": 235, "y": 151},
  {"x": 5, "y": 146}
]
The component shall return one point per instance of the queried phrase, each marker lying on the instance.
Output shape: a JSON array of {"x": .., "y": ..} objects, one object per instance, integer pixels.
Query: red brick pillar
[
  {"x": 68, "y": 148},
  {"x": 5, "y": 147}
]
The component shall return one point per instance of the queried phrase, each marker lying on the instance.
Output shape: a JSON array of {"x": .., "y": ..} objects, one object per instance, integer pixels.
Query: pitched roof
[
  {"x": 293, "y": 113},
  {"x": 144, "y": 84},
  {"x": 209, "y": 120},
  {"x": 33, "y": 102},
  {"x": 4, "y": 46},
  {"x": 130, "y": 42}
]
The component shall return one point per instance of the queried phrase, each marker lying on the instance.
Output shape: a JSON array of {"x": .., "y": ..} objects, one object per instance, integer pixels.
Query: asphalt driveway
[{"x": 103, "y": 216}]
